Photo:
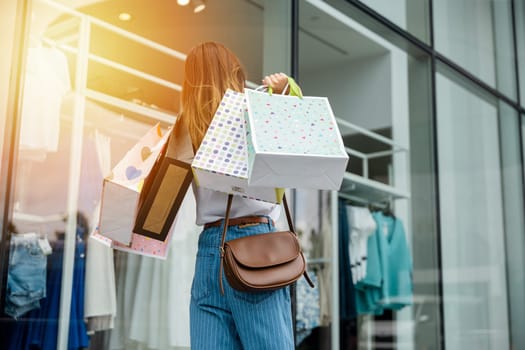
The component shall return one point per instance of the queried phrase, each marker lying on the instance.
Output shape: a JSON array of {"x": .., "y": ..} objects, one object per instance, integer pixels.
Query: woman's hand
[{"x": 277, "y": 82}]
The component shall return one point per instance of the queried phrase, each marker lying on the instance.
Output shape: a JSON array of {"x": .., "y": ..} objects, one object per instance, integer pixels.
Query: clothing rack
[
  {"x": 319, "y": 261},
  {"x": 38, "y": 219},
  {"x": 362, "y": 189}
]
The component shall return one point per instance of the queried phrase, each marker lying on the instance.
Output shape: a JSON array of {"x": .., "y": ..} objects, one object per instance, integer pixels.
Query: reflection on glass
[
  {"x": 367, "y": 82},
  {"x": 424, "y": 213},
  {"x": 72, "y": 137},
  {"x": 314, "y": 306},
  {"x": 472, "y": 221},
  {"x": 477, "y": 35},
  {"x": 514, "y": 219},
  {"x": 411, "y": 15}
]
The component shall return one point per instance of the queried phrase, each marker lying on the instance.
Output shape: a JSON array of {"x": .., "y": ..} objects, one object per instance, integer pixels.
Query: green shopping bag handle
[{"x": 295, "y": 90}]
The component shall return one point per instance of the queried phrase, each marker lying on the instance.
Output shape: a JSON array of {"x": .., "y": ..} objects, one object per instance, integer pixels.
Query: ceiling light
[
  {"x": 124, "y": 16},
  {"x": 199, "y": 6},
  {"x": 183, "y": 2}
]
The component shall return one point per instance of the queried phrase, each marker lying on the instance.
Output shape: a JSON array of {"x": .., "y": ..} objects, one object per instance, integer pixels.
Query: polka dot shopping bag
[
  {"x": 221, "y": 162},
  {"x": 293, "y": 142}
]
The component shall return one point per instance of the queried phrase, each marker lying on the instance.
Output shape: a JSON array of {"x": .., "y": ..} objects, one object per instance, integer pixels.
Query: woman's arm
[{"x": 278, "y": 82}]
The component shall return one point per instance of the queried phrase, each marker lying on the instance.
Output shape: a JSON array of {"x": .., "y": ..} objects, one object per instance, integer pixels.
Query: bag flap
[{"x": 264, "y": 250}]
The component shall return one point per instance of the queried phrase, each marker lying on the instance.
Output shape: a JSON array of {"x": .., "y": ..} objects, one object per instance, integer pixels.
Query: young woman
[{"x": 235, "y": 320}]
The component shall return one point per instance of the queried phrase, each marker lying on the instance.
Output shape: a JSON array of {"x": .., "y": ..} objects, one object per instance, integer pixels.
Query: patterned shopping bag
[
  {"x": 139, "y": 244},
  {"x": 221, "y": 162},
  {"x": 121, "y": 189},
  {"x": 166, "y": 185},
  {"x": 293, "y": 142}
]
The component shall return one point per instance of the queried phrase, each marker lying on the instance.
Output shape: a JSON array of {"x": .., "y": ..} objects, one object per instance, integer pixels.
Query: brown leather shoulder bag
[{"x": 262, "y": 262}]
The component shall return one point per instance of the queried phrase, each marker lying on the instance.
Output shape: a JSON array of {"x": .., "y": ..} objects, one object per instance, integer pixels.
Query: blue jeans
[
  {"x": 235, "y": 320},
  {"x": 26, "y": 277}
]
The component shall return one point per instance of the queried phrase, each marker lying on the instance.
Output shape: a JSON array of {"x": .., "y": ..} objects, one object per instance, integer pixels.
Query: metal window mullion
[
  {"x": 73, "y": 185},
  {"x": 335, "y": 331},
  {"x": 434, "y": 145},
  {"x": 502, "y": 179},
  {"x": 518, "y": 91},
  {"x": 11, "y": 134}
]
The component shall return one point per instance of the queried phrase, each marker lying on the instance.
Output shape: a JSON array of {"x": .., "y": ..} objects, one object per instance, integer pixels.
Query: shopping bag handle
[{"x": 295, "y": 90}]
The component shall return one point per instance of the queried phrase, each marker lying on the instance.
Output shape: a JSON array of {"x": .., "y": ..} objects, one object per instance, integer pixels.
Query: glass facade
[
  {"x": 471, "y": 215},
  {"x": 411, "y": 15},
  {"x": 432, "y": 201},
  {"x": 478, "y": 36}
]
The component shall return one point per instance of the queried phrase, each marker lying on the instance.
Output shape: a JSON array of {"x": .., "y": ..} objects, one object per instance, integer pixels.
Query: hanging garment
[
  {"x": 26, "y": 275},
  {"x": 307, "y": 308},
  {"x": 347, "y": 309},
  {"x": 362, "y": 226},
  {"x": 388, "y": 280},
  {"x": 46, "y": 83},
  {"x": 325, "y": 275},
  {"x": 153, "y": 295},
  {"x": 101, "y": 300},
  {"x": 44, "y": 336},
  {"x": 39, "y": 328}
]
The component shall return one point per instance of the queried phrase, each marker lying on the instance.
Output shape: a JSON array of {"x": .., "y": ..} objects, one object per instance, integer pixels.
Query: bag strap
[
  {"x": 288, "y": 215},
  {"x": 223, "y": 239},
  {"x": 295, "y": 89},
  {"x": 225, "y": 229}
]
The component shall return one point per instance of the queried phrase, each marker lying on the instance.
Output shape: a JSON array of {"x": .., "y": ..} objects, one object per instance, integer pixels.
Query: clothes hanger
[
  {"x": 355, "y": 203},
  {"x": 385, "y": 207},
  {"x": 387, "y": 210}
]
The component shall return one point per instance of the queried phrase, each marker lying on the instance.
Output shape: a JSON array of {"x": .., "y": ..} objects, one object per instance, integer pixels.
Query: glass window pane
[
  {"x": 131, "y": 86},
  {"x": 423, "y": 207},
  {"x": 411, "y": 15},
  {"x": 374, "y": 88},
  {"x": 472, "y": 220},
  {"x": 511, "y": 165},
  {"x": 477, "y": 35}
]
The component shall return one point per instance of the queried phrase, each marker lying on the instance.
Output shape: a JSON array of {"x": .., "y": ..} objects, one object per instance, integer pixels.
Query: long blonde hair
[{"x": 210, "y": 69}]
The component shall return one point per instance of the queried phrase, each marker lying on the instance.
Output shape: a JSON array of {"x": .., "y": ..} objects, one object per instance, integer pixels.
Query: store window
[
  {"x": 479, "y": 168},
  {"x": 477, "y": 35},
  {"x": 98, "y": 78},
  {"x": 411, "y": 15},
  {"x": 381, "y": 98}
]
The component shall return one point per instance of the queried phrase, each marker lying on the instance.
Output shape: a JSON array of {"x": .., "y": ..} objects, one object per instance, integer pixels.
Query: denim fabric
[
  {"x": 235, "y": 320},
  {"x": 308, "y": 309},
  {"x": 26, "y": 278}
]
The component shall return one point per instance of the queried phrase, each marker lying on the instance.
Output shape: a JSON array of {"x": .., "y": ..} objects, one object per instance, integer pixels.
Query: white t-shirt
[
  {"x": 46, "y": 83},
  {"x": 211, "y": 206}
]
